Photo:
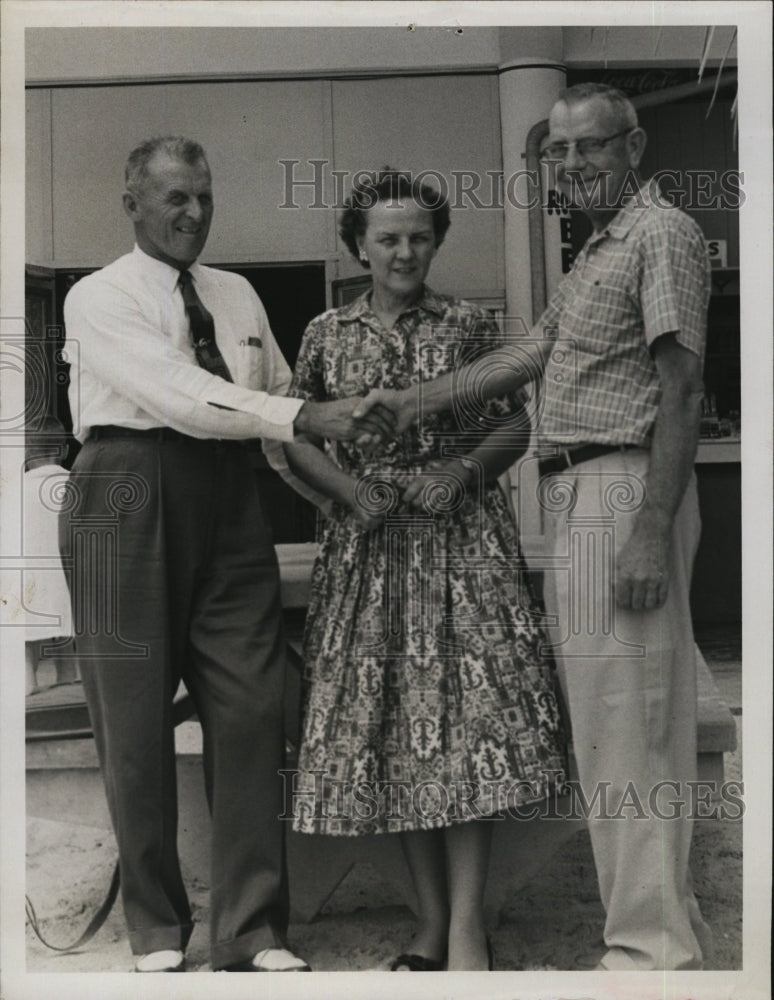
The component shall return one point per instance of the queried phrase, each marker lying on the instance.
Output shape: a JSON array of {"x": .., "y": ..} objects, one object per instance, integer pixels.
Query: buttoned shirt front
[
  {"x": 133, "y": 364},
  {"x": 646, "y": 274}
]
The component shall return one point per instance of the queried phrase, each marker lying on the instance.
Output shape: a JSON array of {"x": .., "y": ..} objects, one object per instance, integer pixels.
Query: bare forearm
[
  {"x": 500, "y": 449},
  {"x": 494, "y": 374},
  {"x": 496, "y": 456},
  {"x": 310, "y": 464},
  {"x": 472, "y": 468},
  {"x": 673, "y": 452},
  {"x": 644, "y": 562}
]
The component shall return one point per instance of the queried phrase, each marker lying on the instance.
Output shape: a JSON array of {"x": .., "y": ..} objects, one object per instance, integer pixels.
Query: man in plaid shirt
[{"x": 618, "y": 431}]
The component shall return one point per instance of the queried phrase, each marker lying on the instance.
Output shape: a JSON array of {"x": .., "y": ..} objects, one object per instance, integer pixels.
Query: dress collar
[{"x": 360, "y": 308}]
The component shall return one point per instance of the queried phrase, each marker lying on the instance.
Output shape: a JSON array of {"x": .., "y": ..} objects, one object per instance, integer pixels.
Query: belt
[
  {"x": 574, "y": 456},
  {"x": 102, "y": 431}
]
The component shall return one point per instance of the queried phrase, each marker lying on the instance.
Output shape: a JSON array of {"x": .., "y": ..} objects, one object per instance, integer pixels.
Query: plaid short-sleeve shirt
[{"x": 645, "y": 275}]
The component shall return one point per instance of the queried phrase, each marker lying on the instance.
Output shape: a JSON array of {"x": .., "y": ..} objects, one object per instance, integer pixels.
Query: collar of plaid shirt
[{"x": 633, "y": 207}]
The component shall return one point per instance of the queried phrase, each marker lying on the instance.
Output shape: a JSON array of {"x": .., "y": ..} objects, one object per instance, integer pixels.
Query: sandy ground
[{"x": 553, "y": 923}]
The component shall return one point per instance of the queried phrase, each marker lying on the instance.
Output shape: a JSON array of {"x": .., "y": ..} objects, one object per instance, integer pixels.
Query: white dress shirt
[{"x": 133, "y": 364}]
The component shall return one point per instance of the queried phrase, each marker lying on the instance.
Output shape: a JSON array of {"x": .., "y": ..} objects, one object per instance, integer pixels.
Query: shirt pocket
[
  {"x": 605, "y": 300},
  {"x": 250, "y": 362}
]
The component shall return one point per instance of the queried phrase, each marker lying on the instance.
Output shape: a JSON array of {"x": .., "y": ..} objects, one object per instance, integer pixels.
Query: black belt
[
  {"x": 574, "y": 456},
  {"x": 102, "y": 431}
]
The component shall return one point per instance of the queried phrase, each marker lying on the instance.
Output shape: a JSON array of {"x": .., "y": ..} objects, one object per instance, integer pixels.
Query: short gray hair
[
  {"x": 175, "y": 146},
  {"x": 619, "y": 103}
]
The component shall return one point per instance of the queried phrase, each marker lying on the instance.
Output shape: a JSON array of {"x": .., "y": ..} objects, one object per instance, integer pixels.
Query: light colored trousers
[{"x": 629, "y": 680}]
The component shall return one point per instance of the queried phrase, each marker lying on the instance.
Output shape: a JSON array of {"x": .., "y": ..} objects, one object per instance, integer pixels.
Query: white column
[{"x": 531, "y": 77}]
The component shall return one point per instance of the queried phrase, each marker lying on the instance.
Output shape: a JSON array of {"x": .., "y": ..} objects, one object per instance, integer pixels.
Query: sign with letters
[{"x": 718, "y": 252}]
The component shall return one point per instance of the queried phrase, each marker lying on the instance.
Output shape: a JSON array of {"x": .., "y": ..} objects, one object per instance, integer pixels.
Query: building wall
[
  {"x": 245, "y": 128},
  {"x": 78, "y": 54},
  {"x": 78, "y": 136},
  {"x": 78, "y": 139},
  {"x": 94, "y": 54},
  {"x": 39, "y": 247},
  {"x": 424, "y": 99}
]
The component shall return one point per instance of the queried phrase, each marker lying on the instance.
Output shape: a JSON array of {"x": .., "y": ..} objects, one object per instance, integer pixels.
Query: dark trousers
[{"x": 173, "y": 575}]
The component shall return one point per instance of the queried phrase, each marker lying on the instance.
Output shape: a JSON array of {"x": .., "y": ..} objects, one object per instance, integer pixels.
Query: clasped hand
[
  {"x": 370, "y": 421},
  {"x": 439, "y": 488},
  {"x": 400, "y": 404},
  {"x": 348, "y": 419}
]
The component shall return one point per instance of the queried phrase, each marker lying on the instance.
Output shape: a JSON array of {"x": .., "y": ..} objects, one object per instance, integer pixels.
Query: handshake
[
  {"x": 387, "y": 413},
  {"x": 379, "y": 417},
  {"x": 371, "y": 421}
]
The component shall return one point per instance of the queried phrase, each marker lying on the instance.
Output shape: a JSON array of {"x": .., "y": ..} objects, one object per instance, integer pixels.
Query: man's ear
[
  {"x": 636, "y": 142},
  {"x": 131, "y": 207}
]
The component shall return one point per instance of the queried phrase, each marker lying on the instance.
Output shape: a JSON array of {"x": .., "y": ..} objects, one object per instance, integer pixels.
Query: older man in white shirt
[{"x": 173, "y": 572}]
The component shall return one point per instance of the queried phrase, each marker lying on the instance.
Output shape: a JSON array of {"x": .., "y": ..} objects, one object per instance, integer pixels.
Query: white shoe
[
  {"x": 279, "y": 960},
  {"x": 160, "y": 961},
  {"x": 271, "y": 960}
]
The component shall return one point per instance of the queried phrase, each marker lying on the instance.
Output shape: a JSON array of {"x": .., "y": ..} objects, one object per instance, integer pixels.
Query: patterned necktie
[{"x": 202, "y": 329}]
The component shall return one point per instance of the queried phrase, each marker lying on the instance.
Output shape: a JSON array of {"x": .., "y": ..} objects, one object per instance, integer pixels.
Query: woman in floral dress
[{"x": 428, "y": 704}]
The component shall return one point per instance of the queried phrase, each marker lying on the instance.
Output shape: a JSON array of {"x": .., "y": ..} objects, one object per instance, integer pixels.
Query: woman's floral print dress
[{"x": 427, "y": 697}]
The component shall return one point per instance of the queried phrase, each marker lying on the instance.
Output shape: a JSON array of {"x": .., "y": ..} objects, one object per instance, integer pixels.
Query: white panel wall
[
  {"x": 246, "y": 128},
  {"x": 60, "y": 54},
  {"x": 132, "y": 53},
  {"x": 444, "y": 124},
  {"x": 39, "y": 247}
]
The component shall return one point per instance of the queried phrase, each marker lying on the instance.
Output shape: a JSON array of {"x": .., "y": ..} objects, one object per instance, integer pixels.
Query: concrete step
[{"x": 716, "y": 731}]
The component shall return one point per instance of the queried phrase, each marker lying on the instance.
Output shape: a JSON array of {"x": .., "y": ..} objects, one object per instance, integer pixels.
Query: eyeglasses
[{"x": 584, "y": 147}]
